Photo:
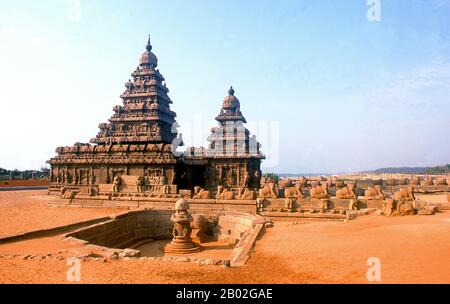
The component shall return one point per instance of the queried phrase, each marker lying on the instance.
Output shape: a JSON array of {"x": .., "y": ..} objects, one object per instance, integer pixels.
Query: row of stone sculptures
[
  {"x": 417, "y": 181},
  {"x": 87, "y": 148},
  {"x": 335, "y": 182},
  {"x": 223, "y": 193}
]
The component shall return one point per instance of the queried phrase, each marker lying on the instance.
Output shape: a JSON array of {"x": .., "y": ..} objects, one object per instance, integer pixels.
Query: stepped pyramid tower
[
  {"x": 136, "y": 141},
  {"x": 233, "y": 158},
  {"x": 145, "y": 115}
]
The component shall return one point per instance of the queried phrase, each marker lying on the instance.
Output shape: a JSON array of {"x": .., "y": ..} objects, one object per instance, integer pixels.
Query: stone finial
[
  {"x": 148, "y": 47},
  {"x": 182, "y": 205},
  {"x": 231, "y": 91}
]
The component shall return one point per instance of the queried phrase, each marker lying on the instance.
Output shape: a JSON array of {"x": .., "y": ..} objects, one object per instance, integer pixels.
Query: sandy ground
[
  {"x": 24, "y": 211},
  {"x": 412, "y": 249}
]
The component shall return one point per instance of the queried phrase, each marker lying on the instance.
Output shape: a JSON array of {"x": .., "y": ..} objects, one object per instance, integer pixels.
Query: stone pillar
[{"x": 182, "y": 242}]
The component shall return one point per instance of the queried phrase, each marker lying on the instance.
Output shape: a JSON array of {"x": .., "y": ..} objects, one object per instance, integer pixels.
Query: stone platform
[{"x": 309, "y": 204}]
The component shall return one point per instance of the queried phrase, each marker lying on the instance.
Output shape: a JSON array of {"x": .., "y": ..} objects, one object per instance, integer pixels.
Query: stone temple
[{"x": 136, "y": 151}]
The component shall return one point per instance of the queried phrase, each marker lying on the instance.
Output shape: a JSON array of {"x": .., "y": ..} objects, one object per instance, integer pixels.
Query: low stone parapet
[{"x": 204, "y": 205}]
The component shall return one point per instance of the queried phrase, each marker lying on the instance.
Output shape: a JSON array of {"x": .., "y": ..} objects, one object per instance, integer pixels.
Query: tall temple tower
[
  {"x": 137, "y": 140},
  {"x": 145, "y": 115}
]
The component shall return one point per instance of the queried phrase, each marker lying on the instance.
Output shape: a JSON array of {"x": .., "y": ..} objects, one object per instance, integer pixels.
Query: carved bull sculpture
[
  {"x": 269, "y": 190},
  {"x": 224, "y": 194},
  {"x": 405, "y": 195},
  {"x": 427, "y": 182},
  {"x": 440, "y": 181},
  {"x": 347, "y": 192},
  {"x": 246, "y": 194},
  {"x": 293, "y": 192},
  {"x": 200, "y": 193},
  {"x": 374, "y": 193},
  {"x": 319, "y": 192}
]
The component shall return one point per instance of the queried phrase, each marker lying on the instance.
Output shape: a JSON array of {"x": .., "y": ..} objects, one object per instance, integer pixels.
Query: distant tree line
[
  {"x": 26, "y": 174},
  {"x": 273, "y": 176},
  {"x": 439, "y": 170},
  {"x": 445, "y": 169}
]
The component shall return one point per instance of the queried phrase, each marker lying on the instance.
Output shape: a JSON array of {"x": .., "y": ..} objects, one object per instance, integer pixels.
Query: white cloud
[{"x": 427, "y": 85}]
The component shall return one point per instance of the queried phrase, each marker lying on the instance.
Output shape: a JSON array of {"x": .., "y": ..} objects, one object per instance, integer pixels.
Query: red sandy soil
[
  {"x": 25, "y": 211},
  {"x": 412, "y": 249},
  {"x": 24, "y": 182}
]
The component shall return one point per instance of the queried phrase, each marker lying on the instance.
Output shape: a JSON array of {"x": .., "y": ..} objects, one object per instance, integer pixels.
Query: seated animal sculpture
[
  {"x": 67, "y": 194},
  {"x": 395, "y": 208},
  {"x": 319, "y": 192},
  {"x": 293, "y": 192},
  {"x": 427, "y": 182},
  {"x": 348, "y": 192},
  {"x": 199, "y": 226},
  {"x": 415, "y": 181},
  {"x": 374, "y": 193},
  {"x": 404, "y": 195},
  {"x": 224, "y": 194},
  {"x": 200, "y": 193},
  {"x": 270, "y": 190},
  {"x": 246, "y": 194},
  {"x": 440, "y": 181}
]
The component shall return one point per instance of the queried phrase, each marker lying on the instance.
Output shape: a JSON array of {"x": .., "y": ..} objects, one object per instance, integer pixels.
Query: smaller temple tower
[{"x": 234, "y": 157}]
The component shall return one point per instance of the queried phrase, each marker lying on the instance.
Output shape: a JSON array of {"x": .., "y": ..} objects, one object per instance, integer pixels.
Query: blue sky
[{"x": 343, "y": 93}]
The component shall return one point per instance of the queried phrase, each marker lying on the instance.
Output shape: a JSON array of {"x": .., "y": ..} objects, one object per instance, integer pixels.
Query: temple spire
[
  {"x": 148, "y": 47},
  {"x": 230, "y": 109},
  {"x": 148, "y": 59}
]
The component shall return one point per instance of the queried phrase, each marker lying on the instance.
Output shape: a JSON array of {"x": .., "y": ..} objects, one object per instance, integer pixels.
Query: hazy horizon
[{"x": 344, "y": 94}]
